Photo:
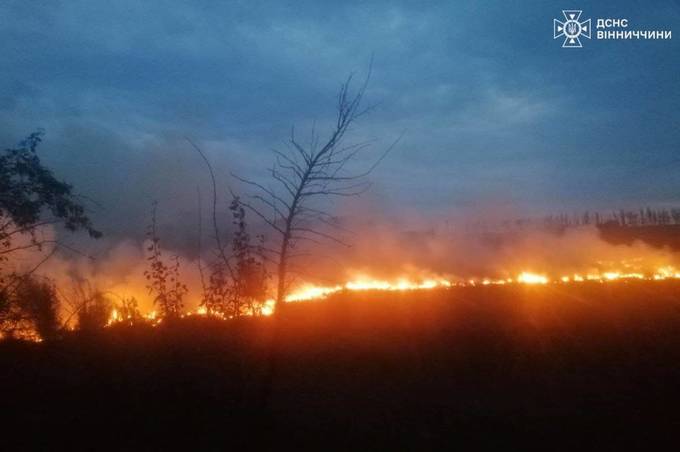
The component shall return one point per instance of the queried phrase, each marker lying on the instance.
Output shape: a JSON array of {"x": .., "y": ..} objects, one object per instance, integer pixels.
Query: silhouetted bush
[
  {"x": 30, "y": 309},
  {"x": 95, "y": 312}
]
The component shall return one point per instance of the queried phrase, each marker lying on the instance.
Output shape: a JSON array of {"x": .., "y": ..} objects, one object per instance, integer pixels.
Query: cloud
[{"x": 490, "y": 106}]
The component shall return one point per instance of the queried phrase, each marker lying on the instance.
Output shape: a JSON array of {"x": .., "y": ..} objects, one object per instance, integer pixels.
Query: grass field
[{"x": 554, "y": 366}]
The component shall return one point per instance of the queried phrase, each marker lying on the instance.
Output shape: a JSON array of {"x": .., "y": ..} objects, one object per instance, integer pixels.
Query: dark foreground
[{"x": 551, "y": 367}]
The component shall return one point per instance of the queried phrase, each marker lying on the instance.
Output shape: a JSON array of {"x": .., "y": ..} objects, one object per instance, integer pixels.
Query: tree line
[{"x": 644, "y": 216}]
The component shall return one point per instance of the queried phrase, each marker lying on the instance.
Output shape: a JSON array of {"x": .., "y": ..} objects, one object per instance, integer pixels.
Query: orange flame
[{"x": 308, "y": 292}]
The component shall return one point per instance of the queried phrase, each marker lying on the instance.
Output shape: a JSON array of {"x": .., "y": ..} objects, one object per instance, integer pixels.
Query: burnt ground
[{"x": 558, "y": 366}]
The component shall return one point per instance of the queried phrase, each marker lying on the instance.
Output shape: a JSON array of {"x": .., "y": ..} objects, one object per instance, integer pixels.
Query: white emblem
[{"x": 572, "y": 29}]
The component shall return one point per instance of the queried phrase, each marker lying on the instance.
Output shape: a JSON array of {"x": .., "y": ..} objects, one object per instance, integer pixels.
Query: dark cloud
[{"x": 491, "y": 106}]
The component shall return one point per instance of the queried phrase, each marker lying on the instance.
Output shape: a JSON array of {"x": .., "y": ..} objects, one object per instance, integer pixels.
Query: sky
[{"x": 493, "y": 112}]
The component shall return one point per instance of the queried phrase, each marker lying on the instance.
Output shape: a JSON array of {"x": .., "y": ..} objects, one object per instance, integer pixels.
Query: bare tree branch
[
  {"x": 218, "y": 239},
  {"x": 315, "y": 170}
]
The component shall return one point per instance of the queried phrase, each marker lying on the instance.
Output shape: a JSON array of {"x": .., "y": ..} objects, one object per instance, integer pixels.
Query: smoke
[
  {"x": 457, "y": 251},
  {"x": 385, "y": 248},
  {"x": 117, "y": 271}
]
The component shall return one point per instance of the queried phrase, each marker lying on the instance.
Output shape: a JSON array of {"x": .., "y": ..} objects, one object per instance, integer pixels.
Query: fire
[
  {"x": 308, "y": 292},
  {"x": 311, "y": 292},
  {"x": 532, "y": 278},
  {"x": 666, "y": 273}
]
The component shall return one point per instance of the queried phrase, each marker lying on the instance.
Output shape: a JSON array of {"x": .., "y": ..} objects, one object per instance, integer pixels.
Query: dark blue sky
[{"x": 495, "y": 111}]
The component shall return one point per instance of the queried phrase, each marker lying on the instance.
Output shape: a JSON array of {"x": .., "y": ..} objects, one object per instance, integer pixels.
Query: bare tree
[
  {"x": 219, "y": 276},
  {"x": 305, "y": 176}
]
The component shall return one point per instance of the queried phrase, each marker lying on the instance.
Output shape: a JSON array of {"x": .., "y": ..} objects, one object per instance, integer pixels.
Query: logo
[{"x": 572, "y": 29}]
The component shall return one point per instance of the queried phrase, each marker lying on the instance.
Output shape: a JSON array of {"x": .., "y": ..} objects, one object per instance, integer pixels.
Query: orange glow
[
  {"x": 311, "y": 292},
  {"x": 532, "y": 278},
  {"x": 308, "y": 292}
]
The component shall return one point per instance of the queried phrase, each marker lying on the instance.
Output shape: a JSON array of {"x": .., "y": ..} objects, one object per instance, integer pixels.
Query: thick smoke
[
  {"x": 460, "y": 252},
  {"x": 385, "y": 249}
]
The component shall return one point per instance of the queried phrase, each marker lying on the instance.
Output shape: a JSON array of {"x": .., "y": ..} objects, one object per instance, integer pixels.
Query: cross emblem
[{"x": 572, "y": 29}]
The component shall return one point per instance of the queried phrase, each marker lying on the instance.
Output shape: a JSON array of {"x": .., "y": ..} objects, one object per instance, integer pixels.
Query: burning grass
[{"x": 309, "y": 292}]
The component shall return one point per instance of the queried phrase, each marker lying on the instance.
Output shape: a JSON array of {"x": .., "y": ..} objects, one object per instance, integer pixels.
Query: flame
[
  {"x": 307, "y": 292},
  {"x": 532, "y": 278},
  {"x": 311, "y": 292},
  {"x": 115, "y": 317}
]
